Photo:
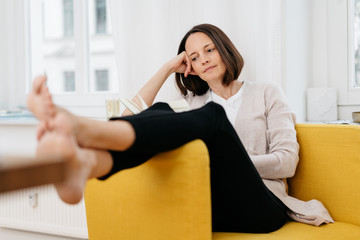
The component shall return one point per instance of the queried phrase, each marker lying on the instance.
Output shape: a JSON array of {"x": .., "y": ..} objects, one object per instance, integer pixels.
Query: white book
[
  {"x": 180, "y": 105},
  {"x": 177, "y": 105}
]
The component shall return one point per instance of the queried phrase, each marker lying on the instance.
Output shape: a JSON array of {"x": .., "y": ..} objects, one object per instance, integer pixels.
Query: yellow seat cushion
[{"x": 299, "y": 231}]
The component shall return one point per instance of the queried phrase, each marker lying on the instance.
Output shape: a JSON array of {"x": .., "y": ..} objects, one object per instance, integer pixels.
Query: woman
[{"x": 247, "y": 186}]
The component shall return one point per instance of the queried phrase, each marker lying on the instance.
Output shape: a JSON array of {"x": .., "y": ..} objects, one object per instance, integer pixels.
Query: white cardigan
[{"x": 266, "y": 126}]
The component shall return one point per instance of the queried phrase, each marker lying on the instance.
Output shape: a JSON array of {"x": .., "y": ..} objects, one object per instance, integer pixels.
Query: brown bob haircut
[{"x": 228, "y": 52}]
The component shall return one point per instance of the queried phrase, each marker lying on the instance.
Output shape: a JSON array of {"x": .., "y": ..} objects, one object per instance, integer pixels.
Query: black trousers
[{"x": 240, "y": 200}]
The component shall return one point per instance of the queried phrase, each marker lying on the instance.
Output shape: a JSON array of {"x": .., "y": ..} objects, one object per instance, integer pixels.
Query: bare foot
[
  {"x": 61, "y": 142},
  {"x": 39, "y": 100},
  {"x": 40, "y": 103},
  {"x": 51, "y": 124}
]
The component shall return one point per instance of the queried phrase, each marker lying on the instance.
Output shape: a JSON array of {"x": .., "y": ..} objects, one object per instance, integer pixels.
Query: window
[
  {"x": 102, "y": 80},
  {"x": 343, "y": 53},
  {"x": 354, "y": 42},
  {"x": 68, "y": 43},
  {"x": 68, "y": 18},
  {"x": 334, "y": 48},
  {"x": 100, "y": 8},
  {"x": 69, "y": 81}
]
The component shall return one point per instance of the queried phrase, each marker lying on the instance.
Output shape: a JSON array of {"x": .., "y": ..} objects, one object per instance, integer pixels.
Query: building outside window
[
  {"x": 102, "y": 80},
  {"x": 68, "y": 10},
  {"x": 100, "y": 13},
  {"x": 69, "y": 81}
]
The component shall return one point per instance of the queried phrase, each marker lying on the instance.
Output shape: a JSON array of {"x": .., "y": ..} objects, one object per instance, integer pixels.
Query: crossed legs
[{"x": 240, "y": 200}]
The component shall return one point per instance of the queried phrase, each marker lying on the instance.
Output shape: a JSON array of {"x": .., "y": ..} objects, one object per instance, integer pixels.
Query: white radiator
[{"x": 39, "y": 209}]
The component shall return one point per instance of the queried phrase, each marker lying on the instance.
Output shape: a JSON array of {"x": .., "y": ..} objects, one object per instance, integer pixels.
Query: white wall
[
  {"x": 296, "y": 54},
  {"x": 254, "y": 26},
  {"x": 11, "y": 47},
  {"x": 3, "y": 47},
  {"x": 319, "y": 44}
]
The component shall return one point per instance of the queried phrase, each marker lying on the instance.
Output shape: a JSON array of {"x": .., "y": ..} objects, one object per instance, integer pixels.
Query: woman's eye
[
  {"x": 193, "y": 59},
  {"x": 211, "y": 50}
]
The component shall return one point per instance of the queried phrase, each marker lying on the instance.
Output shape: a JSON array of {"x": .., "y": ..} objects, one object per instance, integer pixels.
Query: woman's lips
[{"x": 209, "y": 68}]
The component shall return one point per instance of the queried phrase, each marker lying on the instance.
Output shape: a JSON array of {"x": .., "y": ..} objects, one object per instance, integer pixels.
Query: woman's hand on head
[{"x": 181, "y": 64}]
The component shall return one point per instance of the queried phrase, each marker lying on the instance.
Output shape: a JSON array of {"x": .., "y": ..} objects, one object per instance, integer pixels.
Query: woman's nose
[{"x": 204, "y": 59}]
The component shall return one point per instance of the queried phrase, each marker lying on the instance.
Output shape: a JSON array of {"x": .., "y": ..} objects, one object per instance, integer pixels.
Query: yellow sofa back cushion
[
  {"x": 168, "y": 197},
  {"x": 329, "y": 152}
]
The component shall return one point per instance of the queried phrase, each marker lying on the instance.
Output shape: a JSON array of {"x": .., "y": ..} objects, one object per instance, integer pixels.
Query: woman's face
[{"x": 205, "y": 60}]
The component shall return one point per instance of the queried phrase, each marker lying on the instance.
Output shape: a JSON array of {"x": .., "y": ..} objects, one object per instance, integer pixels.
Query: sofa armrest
[
  {"x": 329, "y": 169},
  {"x": 168, "y": 197}
]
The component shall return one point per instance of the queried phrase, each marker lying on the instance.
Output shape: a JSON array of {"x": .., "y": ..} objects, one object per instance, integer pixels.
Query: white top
[{"x": 231, "y": 105}]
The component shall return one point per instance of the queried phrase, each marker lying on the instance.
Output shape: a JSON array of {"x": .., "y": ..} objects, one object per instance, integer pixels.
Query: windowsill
[
  {"x": 30, "y": 120},
  {"x": 18, "y": 120}
]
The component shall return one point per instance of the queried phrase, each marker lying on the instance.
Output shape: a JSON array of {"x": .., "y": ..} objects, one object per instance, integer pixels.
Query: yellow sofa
[{"x": 168, "y": 197}]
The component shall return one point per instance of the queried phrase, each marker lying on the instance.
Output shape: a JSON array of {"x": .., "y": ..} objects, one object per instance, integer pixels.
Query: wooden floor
[{"x": 11, "y": 234}]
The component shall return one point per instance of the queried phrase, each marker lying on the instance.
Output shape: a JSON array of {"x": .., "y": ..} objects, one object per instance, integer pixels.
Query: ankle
[
  {"x": 89, "y": 162},
  {"x": 79, "y": 128}
]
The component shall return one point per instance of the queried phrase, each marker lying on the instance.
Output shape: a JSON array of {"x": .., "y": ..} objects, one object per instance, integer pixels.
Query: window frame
[
  {"x": 352, "y": 93},
  {"x": 336, "y": 51},
  {"x": 351, "y": 57},
  {"x": 83, "y": 102}
]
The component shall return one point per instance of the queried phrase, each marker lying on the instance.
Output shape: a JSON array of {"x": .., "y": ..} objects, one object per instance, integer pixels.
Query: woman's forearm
[{"x": 149, "y": 91}]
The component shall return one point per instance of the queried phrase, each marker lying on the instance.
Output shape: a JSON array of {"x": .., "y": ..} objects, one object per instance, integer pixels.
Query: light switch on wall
[{"x": 33, "y": 200}]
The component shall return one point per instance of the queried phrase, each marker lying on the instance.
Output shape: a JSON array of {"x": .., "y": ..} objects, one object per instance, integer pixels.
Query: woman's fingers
[
  {"x": 185, "y": 64},
  {"x": 188, "y": 65},
  {"x": 181, "y": 64}
]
